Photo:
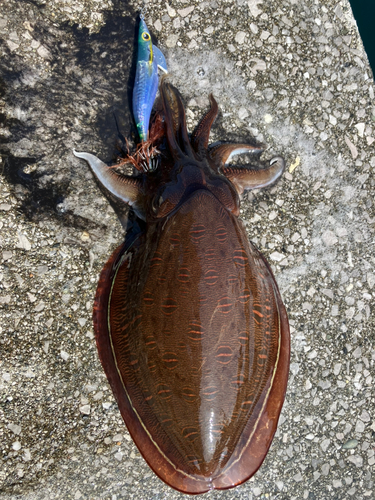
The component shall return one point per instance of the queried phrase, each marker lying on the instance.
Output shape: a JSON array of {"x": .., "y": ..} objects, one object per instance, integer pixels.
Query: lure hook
[{"x": 143, "y": 11}]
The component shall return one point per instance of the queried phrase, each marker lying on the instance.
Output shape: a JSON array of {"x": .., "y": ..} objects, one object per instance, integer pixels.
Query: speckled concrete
[{"x": 292, "y": 74}]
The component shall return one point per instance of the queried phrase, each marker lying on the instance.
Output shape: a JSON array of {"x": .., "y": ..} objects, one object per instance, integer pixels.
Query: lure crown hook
[{"x": 143, "y": 12}]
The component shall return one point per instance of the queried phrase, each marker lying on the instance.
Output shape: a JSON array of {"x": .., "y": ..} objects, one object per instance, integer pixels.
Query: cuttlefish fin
[
  {"x": 159, "y": 59},
  {"x": 126, "y": 188},
  {"x": 247, "y": 177},
  {"x": 199, "y": 138}
]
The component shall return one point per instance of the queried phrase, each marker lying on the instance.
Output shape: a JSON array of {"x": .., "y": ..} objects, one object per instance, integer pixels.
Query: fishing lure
[
  {"x": 149, "y": 59},
  {"x": 190, "y": 325}
]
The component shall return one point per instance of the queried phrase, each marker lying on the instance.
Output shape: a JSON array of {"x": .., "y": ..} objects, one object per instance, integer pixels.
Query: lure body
[
  {"x": 189, "y": 322},
  {"x": 149, "y": 59}
]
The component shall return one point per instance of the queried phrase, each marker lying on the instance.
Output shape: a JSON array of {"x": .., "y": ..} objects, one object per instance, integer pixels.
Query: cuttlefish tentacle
[
  {"x": 128, "y": 189},
  {"x": 200, "y": 136},
  {"x": 246, "y": 177}
]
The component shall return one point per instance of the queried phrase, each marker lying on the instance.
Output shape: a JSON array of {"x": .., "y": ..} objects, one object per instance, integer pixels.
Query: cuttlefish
[{"x": 190, "y": 325}]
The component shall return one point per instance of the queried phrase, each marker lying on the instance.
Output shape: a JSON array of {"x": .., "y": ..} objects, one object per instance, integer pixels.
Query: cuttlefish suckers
[{"x": 149, "y": 59}]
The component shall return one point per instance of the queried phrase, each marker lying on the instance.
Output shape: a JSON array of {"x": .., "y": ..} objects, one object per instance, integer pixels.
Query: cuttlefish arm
[
  {"x": 245, "y": 177},
  {"x": 126, "y": 188},
  {"x": 200, "y": 136},
  {"x": 222, "y": 154},
  {"x": 218, "y": 156},
  {"x": 175, "y": 119}
]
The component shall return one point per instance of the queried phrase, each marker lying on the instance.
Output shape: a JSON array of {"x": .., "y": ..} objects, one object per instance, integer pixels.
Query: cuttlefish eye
[{"x": 145, "y": 36}]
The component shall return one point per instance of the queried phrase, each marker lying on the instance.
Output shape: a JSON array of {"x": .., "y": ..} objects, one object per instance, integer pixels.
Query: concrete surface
[{"x": 291, "y": 73}]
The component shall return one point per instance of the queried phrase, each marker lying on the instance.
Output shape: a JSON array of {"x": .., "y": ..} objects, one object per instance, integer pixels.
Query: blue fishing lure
[{"x": 149, "y": 59}]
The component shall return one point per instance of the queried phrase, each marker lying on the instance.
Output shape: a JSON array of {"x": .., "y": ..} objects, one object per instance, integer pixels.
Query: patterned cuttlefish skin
[{"x": 190, "y": 325}]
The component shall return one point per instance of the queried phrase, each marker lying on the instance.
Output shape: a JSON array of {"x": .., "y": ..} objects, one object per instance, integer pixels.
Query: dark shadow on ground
[{"x": 83, "y": 102}]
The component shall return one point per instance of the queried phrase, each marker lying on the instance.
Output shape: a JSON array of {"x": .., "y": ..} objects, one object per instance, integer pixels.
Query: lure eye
[{"x": 146, "y": 37}]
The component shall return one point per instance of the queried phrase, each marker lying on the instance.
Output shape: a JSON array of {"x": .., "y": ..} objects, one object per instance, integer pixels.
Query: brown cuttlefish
[{"x": 190, "y": 326}]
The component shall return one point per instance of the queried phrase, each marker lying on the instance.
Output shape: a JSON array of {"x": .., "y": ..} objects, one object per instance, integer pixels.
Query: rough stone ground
[{"x": 291, "y": 73}]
